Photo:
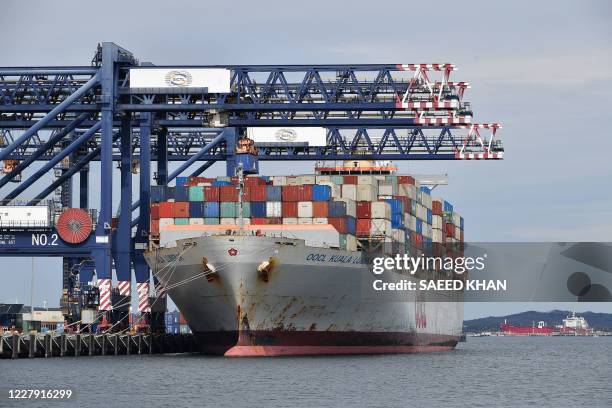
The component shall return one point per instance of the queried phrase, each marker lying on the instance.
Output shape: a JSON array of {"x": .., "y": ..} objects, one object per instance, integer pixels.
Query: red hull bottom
[
  {"x": 294, "y": 343},
  {"x": 272, "y": 351}
]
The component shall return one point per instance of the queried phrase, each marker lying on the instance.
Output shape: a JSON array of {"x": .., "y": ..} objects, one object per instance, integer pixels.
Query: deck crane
[{"x": 116, "y": 109}]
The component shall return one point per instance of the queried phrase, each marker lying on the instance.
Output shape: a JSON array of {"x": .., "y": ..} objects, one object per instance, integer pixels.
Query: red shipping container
[
  {"x": 350, "y": 179},
  {"x": 155, "y": 211},
  {"x": 297, "y": 193},
  {"x": 166, "y": 209},
  {"x": 211, "y": 193},
  {"x": 228, "y": 194},
  {"x": 449, "y": 229},
  {"x": 364, "y": 209},
  {"x": 180, "y": 209},
  {"x": 257, "y": 193},
  {"x": 436, "y": 207},
  {"x": 405, "y": 180},
  {"x": 266, "y": 221},
  {"x": 320, "y": 209},
  {"x": 364, "y": 226},
  {"x": 154, "y": 229},
  {"x": 461, "y": 237},
  {"x": 339, "y": 224},
  {"x": 290, "y": 209}
]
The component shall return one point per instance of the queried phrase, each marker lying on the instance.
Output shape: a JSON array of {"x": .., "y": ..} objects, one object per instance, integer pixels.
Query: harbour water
[{"x": 487, "y": 371}]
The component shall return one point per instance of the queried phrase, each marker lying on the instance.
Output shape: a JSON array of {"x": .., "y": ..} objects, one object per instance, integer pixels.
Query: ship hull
[{"x": 276, "y": 296}]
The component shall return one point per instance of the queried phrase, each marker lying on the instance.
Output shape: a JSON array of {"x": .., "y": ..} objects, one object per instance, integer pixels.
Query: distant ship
[{"x": 572, "y": 325}]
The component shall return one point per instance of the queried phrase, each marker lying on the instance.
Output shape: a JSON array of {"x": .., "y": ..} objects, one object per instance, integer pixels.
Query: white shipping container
[
  {"x": 436, "y": 235},
  {"x": 164, "y": 222},
  {"x": 399, "y": 235},
  {"x": 227, "y": 221},
  {"x": 196, "y": 221},
  {"x": 366, "y": 180},
  {"x": 274, "y": 209},
  {"x": 204, "y": 184},
  {"x": 436, "y": 221},
  {"x": 323, "y": 179},
  {"x": 351, "y": 243},
  {"x": 413, "y": 222},
  {"x": 215, "y": 80},
  {"x": 279, "y": 181},
  {"x": 24, "y": 216},
  {"x": 305, "y": 209},
  {"x": 380, "y": 227},
  {"x": 427, "y": 230},
  {"x": 349, "y": 191},
  {"x": 290, "y": 221},
  {"x": 407, "y": 190},
  {"x": 304, "y": 221},
  {"x": 456, "y": 219},
  {"x": 366, "y": 192},
  {"x": 386, "y": 188},
  {"x": 379, "y": 177},
  {"x": 307, "y": 179},
  {"x": 320, "y": 220},
  {"x": 421, "y": 212},
  {"x": 336, "y": 189},
  {"x": 457, "y": 234},
  {"x": 380, "y": 209},
  {"x": 426, "y": 200},
  {"x": 293, "y": 181}
]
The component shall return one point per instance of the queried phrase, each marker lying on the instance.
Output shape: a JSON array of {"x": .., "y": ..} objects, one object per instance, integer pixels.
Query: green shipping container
[
  {"x": 196, "y": 193},
  {"x": 228, "y": 209},
  {"x": 181, "y": 221},
  {"x": 337, "y": 179},
  {"x": 211, "y": 221},
  {"x": 246, "y": 209}
]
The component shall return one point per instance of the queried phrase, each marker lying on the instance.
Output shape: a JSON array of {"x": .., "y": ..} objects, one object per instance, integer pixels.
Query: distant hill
[{"x": 598, "y": 321}]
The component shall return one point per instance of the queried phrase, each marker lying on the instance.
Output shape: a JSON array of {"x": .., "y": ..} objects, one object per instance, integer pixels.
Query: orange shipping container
[
  {"x": 180, "y": 209},
  {"x": 228, "y": 194},
  {"x": 405, "y": 179},
  {"x": 166, "y": 209},
  {"x": 320, "y": 209},
  {"x": 155, "y": 228},
  {"x": 364, "y": 226},
  {"x": 155, "y": 211}
]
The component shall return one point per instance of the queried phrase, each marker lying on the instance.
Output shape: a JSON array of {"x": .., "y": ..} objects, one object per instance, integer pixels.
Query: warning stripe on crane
[
  {"x": 479, "y": 156},
  {"x": 459, "y": 120},
  {"x": 124, "y": 288},
  {"x": 482, "y": 126},
  {"x": 143, "y": 297},
  {"x": 427, "y": 105},
  {"x": 104, "y": 286},
  {"x": 427, "y": 67}
]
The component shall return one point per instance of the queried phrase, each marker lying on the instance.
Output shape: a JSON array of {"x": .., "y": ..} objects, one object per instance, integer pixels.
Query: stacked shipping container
[{"x": 390, "y": 209}]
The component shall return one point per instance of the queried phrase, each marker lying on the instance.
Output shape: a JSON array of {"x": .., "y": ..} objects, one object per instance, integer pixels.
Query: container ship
[{"x": 279, "y": 265}]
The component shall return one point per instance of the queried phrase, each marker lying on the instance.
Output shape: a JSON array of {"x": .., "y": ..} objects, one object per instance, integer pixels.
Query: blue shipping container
[
  {"x": 351, "y": 225},
  {"x": 321, "y": 192},
  {"x": 429, "y": 217},
  {"x": 396, "y": 206},
  {"x": 211, "y": 209},
  {"x": 158, "y": 194},
  {"x": 170, "y": 193},
  {"x": 196, "y": 209},
  {"x": 425, "y": 190},
  {"x": 397, "y": 220},
  {"x": 461, "y": 223},
  {"x": 336, "y": 209},
  {"x": 274, "y": 193},
  {"x": 419, "y": 226},
  {"x": 181, "y": 194},
  {"x": 218, "y": 183},
  {"x": 448, "y": 207},
  {"x": 181, "y": 180},
  {"x": 258, "y": 209}
]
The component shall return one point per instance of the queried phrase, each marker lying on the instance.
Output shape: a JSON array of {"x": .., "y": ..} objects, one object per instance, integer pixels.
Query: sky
[{"x": 541, "y": 69}]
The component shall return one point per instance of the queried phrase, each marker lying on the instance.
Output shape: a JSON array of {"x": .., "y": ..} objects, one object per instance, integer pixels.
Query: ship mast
[{"x": 240, "y": 174}]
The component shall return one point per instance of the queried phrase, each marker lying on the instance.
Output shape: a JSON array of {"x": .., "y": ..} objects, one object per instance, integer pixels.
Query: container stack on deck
[{"x": 391, "y": 211}]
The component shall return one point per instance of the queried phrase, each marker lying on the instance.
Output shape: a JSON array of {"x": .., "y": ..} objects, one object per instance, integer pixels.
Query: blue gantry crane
[{"x": 61, "y": 119}]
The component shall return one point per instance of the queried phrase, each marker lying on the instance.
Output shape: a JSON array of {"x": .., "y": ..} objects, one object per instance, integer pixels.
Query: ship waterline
[{"x": 263, "y": 296}]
